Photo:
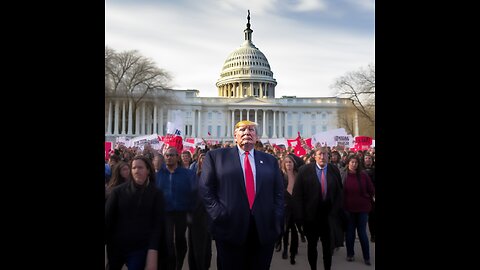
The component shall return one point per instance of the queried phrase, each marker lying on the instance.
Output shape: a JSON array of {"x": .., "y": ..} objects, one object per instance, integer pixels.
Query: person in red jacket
[{"x": 358, "y": 194}]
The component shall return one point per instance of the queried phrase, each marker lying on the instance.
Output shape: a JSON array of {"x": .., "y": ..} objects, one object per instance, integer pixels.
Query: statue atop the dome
[{"x": 248, "y": 18}]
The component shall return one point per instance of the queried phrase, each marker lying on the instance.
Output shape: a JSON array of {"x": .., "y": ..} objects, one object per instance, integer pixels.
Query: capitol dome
[{"x": 246, "y": 72}]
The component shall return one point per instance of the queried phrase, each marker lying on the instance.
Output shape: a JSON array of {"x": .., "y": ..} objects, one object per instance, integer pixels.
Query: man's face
[
  {"x": 171, "y": 157},
  {"x": 246, "y": 136},
  {"x": 321, "y": 157}
]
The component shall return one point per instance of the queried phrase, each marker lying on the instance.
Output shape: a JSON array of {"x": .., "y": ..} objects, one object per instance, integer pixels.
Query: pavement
[{"x": 339, "y": 261}]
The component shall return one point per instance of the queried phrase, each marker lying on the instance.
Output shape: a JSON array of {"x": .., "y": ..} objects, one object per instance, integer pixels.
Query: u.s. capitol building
[{"x": 246, "y": 90}]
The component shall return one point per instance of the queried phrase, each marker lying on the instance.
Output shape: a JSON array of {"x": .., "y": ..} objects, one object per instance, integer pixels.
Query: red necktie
[
  {"x": 322, "y": 180},
  {"x": 249, "y": 183}
]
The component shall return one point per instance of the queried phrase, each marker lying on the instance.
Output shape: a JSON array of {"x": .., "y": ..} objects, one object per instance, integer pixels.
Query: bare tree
[
  {"x": 359, "y": 87},
  {"x": 345, "y": 120},
  {"x": 109, "y": 62},
  {"x": 130, "y": 75}
]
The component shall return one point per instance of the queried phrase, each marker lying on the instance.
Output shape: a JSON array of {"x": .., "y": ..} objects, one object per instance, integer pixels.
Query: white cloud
[
  {"x": 368, "y": 5},
  {"x": 310, "y": 5},
  {"x": 260, "y": 7}
]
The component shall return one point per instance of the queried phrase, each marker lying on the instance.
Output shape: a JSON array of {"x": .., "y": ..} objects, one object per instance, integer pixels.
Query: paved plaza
[{"x": 339, "y": 261}]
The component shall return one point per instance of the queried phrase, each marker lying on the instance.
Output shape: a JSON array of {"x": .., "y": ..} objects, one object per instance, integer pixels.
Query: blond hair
[{"x": 245, "y": 123}]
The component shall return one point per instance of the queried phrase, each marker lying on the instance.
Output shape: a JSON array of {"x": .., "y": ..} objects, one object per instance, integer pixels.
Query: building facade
[{"x": 246, "y": 91}]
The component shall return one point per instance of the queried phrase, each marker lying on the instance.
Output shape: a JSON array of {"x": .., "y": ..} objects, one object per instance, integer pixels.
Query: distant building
[{"x": 246, "y": 90}]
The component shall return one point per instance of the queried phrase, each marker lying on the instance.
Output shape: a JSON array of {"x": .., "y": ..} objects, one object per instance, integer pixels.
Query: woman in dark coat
[
  {"x": 135, "y": 220},
  {"x": 199, "y": 238},
  {"x": 289, "y": 170}
]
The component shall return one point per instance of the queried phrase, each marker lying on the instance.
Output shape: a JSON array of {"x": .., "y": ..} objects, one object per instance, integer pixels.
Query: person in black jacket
[
  {"x": 317, "y": 197},
  {"x": 290, "y": 170},
  {"x": 199, "y": 237},
  {"x": 135, "y": 220}
]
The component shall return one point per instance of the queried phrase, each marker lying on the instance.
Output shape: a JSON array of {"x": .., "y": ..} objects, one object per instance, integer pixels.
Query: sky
[{"x": 308, "y": 43}]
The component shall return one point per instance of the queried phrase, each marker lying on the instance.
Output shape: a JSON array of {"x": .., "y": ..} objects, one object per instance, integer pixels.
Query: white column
[
  {"x": 194, "y": 127},
  {"x": 160, "y": 124},
  {"x": 279, "y": 124},
  {"x": 241, "y": 115},
  {"x": 142, "y": 131},
  {"x": 230, "y": 128},
  {"x": 274, "y": 126},
  {"x": 148, "y": 121},
  {"x": 248, "y": 114},
  {"x": 137, "y": 120},
  {"x": 123, "y": 118},
  {"x": 264, "y": 133},
  {"x": 251, "y": 90},
  {"x": 256, "y": 115},
  {"x": 225, "y": 124},
  {"x": 117, "y": 115},
  {"x": 285, "y": 123},
  {"x": 130, "y": 118},
  {"x": 109, "y": 123},
  {"x": 155, "y": 129},
  {"x": 199, "y": 123},
  {"x": 168, "y": 119}
]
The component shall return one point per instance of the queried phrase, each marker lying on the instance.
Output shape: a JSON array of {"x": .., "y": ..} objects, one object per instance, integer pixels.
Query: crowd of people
[{"x": 250, "y": 199}]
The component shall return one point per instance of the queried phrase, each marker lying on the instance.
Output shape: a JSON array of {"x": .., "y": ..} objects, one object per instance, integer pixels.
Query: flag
[
  {"x": 174, "y": 141},
  {"x": 309, "y": 142},
  {"x": 108, "y": 149},
  {"x": 299, "y": 150},
  {"x": 189, "y": 144}
]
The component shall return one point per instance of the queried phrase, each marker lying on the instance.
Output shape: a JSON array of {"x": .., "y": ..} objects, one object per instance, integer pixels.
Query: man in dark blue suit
[{"x": 243, "y": 193}]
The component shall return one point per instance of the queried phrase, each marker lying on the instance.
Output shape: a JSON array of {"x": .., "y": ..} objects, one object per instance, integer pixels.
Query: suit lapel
[
  {"x": 313, "y": 173},
  {"x": 258, "y": 170},
  {"x": 330, "y": 180},
  {"x": 237, "y": 166}
]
